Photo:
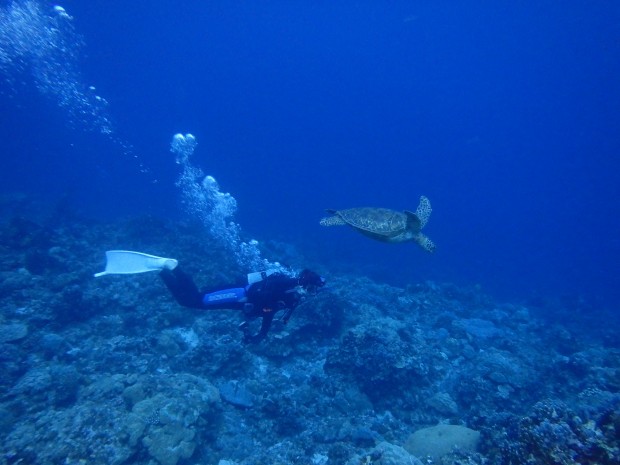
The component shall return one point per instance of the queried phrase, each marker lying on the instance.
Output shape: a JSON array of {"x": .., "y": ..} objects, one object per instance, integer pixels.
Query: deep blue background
[{"x": 507, "y": 116}]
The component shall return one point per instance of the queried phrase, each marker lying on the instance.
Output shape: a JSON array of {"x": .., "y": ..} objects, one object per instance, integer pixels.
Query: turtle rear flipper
[
  {"x": 413, "y": 221},
  {"x": 424, "y": 211},
  {"x": 424, "y": 242}
]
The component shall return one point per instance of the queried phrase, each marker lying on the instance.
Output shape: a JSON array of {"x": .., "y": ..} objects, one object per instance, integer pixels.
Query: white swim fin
[{"x": 129, "y": 262}]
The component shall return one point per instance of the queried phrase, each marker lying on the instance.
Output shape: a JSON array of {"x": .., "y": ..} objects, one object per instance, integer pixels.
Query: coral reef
[
  {"x": 438, "y": 441},
  {"x": 113, "y": 371}
]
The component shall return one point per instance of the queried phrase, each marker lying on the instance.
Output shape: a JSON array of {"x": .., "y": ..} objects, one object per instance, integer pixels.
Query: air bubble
[{"x": 205, "y": 202}]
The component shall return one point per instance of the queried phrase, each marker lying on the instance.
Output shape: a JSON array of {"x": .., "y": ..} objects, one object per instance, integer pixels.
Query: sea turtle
[{"x": 386, "y": 225}]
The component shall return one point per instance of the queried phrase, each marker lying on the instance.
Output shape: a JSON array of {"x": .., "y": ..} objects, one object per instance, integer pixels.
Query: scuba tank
[{"x": 258, "y": 276}]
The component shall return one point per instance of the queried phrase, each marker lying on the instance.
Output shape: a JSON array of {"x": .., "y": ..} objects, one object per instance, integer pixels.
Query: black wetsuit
[{"x": 258, "y": 300}]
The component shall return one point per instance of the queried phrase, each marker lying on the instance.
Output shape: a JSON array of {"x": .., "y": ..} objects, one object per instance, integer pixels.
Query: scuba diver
[{"x": 262, "y": 296}]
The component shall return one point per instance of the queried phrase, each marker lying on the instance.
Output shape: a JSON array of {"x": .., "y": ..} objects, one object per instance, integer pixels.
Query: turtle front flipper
[
  {"x": 332, "y": 220},
  {"x": 424, "y": 242}
]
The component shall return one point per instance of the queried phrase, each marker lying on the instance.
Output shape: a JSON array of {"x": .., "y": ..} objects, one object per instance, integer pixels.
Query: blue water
[{"x": 506, "y": 116}]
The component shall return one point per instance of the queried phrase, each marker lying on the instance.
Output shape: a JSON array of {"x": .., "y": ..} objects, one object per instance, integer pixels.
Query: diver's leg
[{"x": 182, "y": 287}]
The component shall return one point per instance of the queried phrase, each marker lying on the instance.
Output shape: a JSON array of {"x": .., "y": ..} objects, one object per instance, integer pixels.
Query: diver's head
[{"x": 311, "y": 281}]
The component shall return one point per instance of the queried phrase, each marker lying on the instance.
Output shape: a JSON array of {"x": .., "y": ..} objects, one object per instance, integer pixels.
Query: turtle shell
[{"x": 381, "y": 222}]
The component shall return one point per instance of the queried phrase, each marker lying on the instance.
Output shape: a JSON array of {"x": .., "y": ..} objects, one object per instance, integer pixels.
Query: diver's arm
[{"x": 264, "y": 329}]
